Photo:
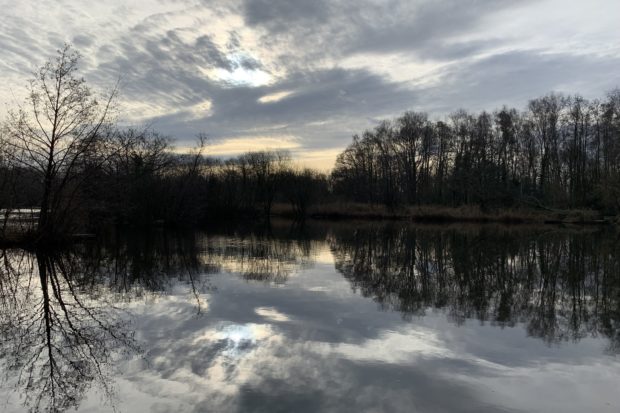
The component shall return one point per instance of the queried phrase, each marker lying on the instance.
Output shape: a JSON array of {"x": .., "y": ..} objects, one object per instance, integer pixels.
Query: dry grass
[{"x": 430, "y": 213}]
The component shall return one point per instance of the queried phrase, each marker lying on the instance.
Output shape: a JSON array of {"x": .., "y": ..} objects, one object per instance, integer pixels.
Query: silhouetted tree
[
  {"x": 58, "y": 128},
  {"x": 562, "y": 152}
]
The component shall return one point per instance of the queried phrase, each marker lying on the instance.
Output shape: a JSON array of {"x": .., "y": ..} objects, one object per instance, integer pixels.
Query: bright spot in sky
[
  {"x": 274, "y": 97},
  {"x": 243, "y": 77}
]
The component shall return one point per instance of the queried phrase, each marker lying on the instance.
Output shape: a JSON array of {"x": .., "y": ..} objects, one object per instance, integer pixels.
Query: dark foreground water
[{"x": 322, "y": 318}]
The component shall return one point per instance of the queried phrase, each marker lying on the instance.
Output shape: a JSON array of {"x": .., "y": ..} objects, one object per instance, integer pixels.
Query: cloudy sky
[{"x": 306, "y": 74}]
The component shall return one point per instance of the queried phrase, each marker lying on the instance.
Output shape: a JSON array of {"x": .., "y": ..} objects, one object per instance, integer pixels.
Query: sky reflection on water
[{"x": 217, "y": 334}]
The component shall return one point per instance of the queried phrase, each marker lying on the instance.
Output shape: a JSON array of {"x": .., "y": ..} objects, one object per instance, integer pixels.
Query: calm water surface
[{"x": 321, "y": 318}]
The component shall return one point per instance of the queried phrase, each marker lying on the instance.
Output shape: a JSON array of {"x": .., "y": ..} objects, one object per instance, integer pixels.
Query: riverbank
[{"x": 441, "y": 214}]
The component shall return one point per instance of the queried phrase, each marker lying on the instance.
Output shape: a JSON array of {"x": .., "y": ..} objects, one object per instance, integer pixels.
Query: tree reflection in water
[
  {"x": 57, "y": 336},
  {"x": 562, "y": 285},
  {"x": 63, "y": 324},
  {"x": 61, "y": 312}
]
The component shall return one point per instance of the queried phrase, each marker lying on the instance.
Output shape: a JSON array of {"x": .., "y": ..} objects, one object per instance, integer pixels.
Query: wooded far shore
[{"x": 62, "y": 153}]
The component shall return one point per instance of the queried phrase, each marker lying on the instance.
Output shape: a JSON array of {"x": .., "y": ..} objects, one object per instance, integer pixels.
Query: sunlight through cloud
[{"x": 275, "y": 97}]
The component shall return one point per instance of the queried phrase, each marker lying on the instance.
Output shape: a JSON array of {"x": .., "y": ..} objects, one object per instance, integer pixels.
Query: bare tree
[
  {"x": 58, "y": 127},
  {"x": 562, "y": 152}
]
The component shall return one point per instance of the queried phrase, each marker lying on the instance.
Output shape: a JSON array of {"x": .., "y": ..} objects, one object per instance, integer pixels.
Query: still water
[{"x": 364, "y": 317}]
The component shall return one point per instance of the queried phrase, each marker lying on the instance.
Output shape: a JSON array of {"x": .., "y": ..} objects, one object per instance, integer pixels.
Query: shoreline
[
  {"x": 350, "y": 212},
  {"x": 441, "y": 214}
]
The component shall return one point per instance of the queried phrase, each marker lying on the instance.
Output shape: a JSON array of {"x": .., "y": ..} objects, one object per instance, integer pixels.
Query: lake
[{"x": 322, "y": 317}]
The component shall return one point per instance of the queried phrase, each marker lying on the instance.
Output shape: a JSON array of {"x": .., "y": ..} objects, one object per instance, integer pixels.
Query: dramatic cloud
[{"x": 306, "y": 75}]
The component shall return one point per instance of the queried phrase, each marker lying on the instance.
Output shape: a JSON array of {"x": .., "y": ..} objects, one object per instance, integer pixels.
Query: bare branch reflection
[
  {"x": 58, "y": 338},
  {"x": 65, "y": 324}
]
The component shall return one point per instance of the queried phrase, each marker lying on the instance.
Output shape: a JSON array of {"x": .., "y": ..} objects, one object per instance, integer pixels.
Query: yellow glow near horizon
[
  {"x": 238, "y": 146},
  {"x": 319, "y": 159}
]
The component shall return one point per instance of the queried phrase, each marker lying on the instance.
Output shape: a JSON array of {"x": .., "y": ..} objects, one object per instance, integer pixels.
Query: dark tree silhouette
[
  {"x": 55, "y": 132},
  {"x": 57, "y": 338},
  {"x": 562, "y": 153}
]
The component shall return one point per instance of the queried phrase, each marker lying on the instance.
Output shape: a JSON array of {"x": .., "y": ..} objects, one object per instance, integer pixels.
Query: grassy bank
[{"x": 439, "y": 214}]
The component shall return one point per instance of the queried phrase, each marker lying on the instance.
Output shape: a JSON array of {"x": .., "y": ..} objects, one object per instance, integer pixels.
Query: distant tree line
[
  {"x": 136, "y": 178},
  {"x": 146, "y": 182},
  {"x": 61, "y": 154},
  {"x": 561, "y": 152}
]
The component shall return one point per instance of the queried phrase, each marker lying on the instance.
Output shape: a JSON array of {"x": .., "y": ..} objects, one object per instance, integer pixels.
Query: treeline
[
  {"x": 137, "y": 178},
  {"x": 145, "y": 181},
  {"x": 561, "y": 152},
  {"x": 62, "y": 155}
]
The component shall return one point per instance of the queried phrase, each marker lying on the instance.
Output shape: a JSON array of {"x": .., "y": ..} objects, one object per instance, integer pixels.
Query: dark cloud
[
  {"x": 284, "y": 15},
  {"x": 167, "y": 70},
  {"x": 82, "y": 41},
  {"x": 515, "y": 77},
  {"x": 340, "y": 28},
  {"x": 318, "y": 96},
  {"x": 327, "y": 106},
  {"x": 337, "y": 60},
  {"x": 427, "y": 26},
  {"x": 314, "y": 96}
]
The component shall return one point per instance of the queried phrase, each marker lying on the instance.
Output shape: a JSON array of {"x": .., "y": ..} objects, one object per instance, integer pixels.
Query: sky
[{"x": 305, "y": 75}]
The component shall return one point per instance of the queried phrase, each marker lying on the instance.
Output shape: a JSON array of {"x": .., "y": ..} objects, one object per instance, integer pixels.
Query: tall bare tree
[{"x": 55, "y": 130}]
